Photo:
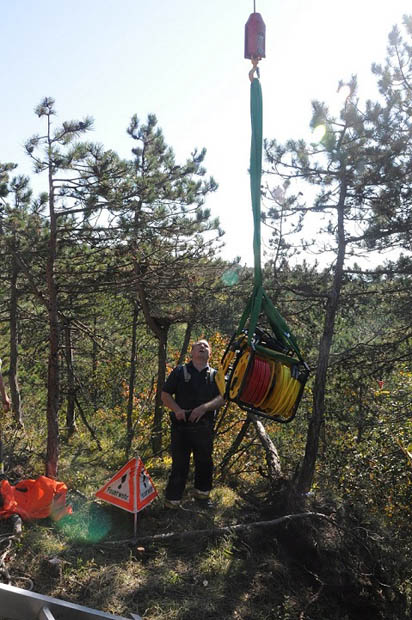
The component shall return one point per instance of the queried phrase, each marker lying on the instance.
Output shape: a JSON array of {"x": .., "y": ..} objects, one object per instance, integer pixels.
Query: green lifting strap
[
  {"x": 259, "y": 300},
  {"x": 256, "y": 116}
]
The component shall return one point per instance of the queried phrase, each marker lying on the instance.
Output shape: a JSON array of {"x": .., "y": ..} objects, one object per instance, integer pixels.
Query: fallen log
[{"x": 219, "y": 531}]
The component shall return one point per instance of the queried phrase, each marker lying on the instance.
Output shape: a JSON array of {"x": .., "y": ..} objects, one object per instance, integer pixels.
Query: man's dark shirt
[{"x": 201, "y": 388}]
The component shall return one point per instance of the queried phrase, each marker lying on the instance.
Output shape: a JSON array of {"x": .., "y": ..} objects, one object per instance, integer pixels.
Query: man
[
  {"x": 3, "y": 393},
  {"x": 191, "y": 394}
]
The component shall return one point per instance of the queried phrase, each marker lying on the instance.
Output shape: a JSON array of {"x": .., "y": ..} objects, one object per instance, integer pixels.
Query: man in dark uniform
[{"x": 191, "y": 394}]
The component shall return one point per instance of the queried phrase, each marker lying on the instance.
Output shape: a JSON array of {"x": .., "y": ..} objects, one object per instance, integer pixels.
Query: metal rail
[{"x": 19, "y": 604}]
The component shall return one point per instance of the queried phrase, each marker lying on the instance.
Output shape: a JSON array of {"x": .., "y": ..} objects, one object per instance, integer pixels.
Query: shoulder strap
[
  {"x": 186, "y": 373},
  {"x": 187, "y": 376}
]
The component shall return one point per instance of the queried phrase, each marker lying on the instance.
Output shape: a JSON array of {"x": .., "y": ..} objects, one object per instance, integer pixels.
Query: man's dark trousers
[{"x": 187, "y": 438}]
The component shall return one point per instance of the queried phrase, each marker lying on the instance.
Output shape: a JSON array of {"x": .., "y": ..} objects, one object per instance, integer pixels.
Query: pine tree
[
  {"x": 19, "y": 233},
  {"x": 356, "y": 171},
  {"x": 159, "y": 208},
  {"x": 55, "y": 153}
]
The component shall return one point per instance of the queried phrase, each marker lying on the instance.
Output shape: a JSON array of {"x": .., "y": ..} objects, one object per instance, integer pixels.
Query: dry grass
[
  {"x": 282, "y": 575},
  {"x": 301, "y": 571},
  {"x": 206, "y": 579}
]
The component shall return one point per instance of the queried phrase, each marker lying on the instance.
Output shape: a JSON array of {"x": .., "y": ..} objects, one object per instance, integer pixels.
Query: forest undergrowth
[{"x": 336, "y": 563}]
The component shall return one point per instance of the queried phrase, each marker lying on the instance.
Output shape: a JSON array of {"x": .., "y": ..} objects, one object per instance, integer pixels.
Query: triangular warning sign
[
  {"x": 131, "y": 488},
  {"x": 146, "y": 491},
  {"x": 120, "y": 489}
]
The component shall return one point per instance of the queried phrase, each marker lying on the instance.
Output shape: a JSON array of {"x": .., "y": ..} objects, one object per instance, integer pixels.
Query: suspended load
[
  {"x": 262, "y": 372},
  {"x": 262, "y": 376}
]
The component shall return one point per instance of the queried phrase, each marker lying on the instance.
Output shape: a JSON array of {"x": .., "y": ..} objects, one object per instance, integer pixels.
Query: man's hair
[{"x": 199, "y": 341}]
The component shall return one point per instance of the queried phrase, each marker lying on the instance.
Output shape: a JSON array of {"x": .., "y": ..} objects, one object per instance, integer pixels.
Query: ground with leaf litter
[{"x": 327, "y": 565}]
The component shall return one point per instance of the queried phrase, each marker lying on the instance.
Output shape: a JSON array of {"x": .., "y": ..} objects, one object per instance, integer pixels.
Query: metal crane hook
[{"x": 254, "y": 69}]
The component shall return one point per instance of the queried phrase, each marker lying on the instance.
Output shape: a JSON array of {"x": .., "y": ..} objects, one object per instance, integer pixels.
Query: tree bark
[
  {"x": 94, "y": 366},
  {"x": 160, "y": 327},
  {"x": 185, "y": 345},
  {"x": 13, "y": 380},
  {"x": 161, "y": 377},
  {"x": 361, "y": 416},
  {"x": 71, "y": 389},
  {"x": 306, "y": 473},
  {"x": 53, "y": 378},
  {"x": 132, "y": 376},
  {"x": 272, "y": 456}
]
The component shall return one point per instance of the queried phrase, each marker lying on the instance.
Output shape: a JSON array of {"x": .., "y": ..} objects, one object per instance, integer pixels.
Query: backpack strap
[{"x": 186, "y": 374}]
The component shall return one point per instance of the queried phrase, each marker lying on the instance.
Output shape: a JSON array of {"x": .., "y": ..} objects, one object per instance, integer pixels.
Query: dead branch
[
  {"x": 87, "y": 425},
  {"x": 272, "y": 456},
  {"x": 235, "y": 445},
  {"x": 220, "y": 531}
]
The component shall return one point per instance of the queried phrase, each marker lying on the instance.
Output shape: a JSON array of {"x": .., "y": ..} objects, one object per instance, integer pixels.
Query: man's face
[{"x": 201, "y": 351}]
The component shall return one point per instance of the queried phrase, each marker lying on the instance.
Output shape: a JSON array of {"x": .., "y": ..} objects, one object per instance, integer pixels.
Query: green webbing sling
[{"x": 259, "y": 301}]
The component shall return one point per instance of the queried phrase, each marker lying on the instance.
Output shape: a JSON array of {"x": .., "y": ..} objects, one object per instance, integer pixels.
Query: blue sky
[{"x": 184, "y": 62}]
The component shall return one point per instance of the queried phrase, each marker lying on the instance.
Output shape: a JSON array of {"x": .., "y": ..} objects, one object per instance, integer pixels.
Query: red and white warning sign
[{"x": 131, "y": 488}]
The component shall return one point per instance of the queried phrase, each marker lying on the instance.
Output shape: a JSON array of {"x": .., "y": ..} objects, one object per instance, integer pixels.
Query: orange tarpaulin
[{"x": 34, "y": 499}]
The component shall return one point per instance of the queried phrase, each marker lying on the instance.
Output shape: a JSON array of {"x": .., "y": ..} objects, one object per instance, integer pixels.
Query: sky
[{"x": 184, "y": 61}]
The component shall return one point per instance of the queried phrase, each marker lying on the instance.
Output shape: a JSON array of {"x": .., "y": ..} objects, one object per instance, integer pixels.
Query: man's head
[{"x": 201, "y": 353}]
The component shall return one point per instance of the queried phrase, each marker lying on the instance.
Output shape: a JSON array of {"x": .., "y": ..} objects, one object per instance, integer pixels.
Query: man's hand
[
  {"x": 197, "y": 413},
  {"x": 170, "y": 403},
  {"x": 180, "y": 415}
]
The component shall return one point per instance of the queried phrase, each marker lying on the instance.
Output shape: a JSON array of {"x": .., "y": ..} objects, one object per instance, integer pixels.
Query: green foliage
[{"x": 137, "y": 257}]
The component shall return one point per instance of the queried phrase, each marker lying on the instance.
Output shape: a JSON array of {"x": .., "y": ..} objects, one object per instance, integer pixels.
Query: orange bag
[{"x": 34, "y": 499}]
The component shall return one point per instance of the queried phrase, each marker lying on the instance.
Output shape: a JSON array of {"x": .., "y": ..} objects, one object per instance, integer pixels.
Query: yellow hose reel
[{"x": 260, "y": 378}]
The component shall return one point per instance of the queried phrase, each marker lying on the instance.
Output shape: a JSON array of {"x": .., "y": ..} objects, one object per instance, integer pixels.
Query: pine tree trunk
[
  {"x": 71, "y": 388},
  {"x": 132, "y": 377},
  {"x": 307, "y": 471},
  {"x": 361, "y": 416},
  {"x": 185, "y": 345},
  {"x": 13, "y": 381},
  {"x": 161, "y": 376},
  {"x": 94, "y": 367},
  {"x": 160, "y": 327},
  {"x": 53, "y": 364}
]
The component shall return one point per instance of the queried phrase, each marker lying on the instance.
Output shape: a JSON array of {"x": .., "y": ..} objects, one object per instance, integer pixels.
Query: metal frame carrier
[{"x": 19, "y": 604}]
